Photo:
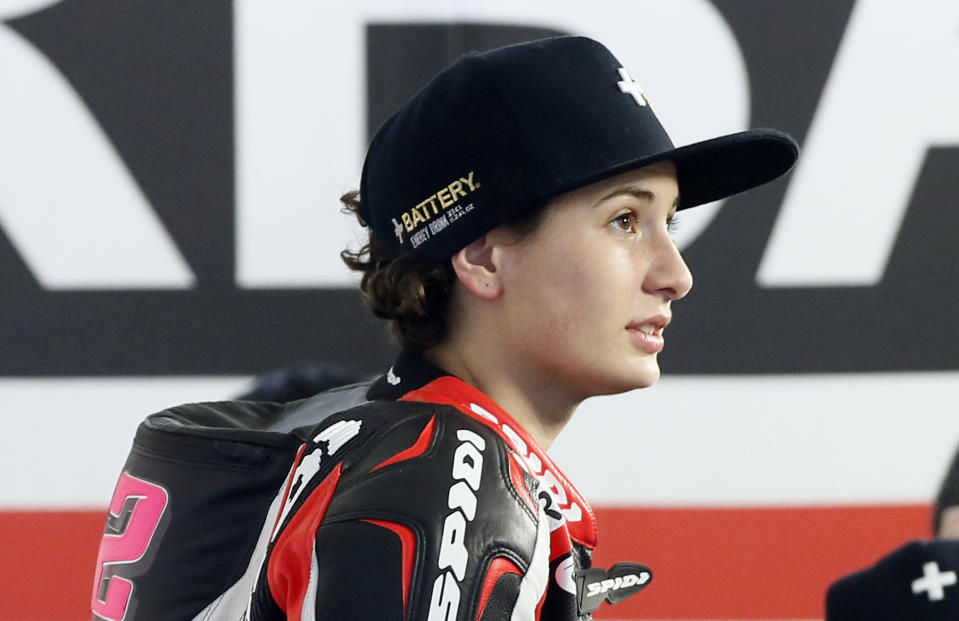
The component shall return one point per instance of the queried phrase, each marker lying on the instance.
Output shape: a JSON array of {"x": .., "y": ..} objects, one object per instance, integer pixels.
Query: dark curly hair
[{"x": 412, "y": 292}]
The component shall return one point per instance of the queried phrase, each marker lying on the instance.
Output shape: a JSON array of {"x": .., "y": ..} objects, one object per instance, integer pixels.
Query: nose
[{"x": 668, "y": 276}]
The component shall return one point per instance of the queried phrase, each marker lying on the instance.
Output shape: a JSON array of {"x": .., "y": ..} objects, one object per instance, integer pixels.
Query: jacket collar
[{"x": 411, "y": 378}]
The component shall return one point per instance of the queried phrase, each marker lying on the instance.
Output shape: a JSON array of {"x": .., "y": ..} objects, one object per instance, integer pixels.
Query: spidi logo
[
  {"x": 614, "y": 584},
  {"x": 168, "y": 203},
  {"x": 453, "y": 556}
]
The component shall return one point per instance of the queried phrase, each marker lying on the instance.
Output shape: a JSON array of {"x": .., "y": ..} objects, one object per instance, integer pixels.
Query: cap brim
[
  {"x": 716, "y": 168},
  {"x": 724, "y": 166}
]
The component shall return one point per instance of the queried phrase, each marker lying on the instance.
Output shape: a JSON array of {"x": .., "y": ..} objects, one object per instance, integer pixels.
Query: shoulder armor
[{"x": 451, "y": 483}]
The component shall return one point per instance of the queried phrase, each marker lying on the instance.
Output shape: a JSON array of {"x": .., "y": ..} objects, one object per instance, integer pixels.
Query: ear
[
  {"x": 475, "y": 267},
  {"x": 949, "y": 523}
]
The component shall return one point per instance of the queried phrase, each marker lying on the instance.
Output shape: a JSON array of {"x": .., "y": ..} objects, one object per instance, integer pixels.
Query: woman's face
[{"x": 587, "y": 294}]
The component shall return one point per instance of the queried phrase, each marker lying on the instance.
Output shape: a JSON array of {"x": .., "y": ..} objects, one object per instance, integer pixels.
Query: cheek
[
  {"x": 580, "y": 295},
  {"x": 542, "y": 299}
]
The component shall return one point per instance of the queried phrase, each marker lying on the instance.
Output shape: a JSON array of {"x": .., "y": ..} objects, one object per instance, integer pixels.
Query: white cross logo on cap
[
  {"x": 631, "y": 87},
  {"x": 933, "y": 581}
]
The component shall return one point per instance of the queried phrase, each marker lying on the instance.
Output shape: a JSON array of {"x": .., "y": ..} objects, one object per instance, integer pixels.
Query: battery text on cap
[{"x": 443, "y": 198}]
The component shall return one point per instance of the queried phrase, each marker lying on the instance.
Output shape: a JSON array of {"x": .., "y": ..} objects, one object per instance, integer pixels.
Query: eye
[{"x": 625, "y": 222}]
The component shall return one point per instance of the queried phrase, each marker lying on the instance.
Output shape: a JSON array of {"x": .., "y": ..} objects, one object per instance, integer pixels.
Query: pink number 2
[{"x": 135, "y": 512}]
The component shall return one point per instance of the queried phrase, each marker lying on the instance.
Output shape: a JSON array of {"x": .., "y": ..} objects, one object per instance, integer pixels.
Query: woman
[{"x": 518, "y": 210}]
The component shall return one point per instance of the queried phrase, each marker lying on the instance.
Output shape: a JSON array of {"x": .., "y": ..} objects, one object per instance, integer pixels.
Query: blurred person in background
[
  {"x": 945, "y": 516},
  {"x": 298, "y": 381},
  {"x": 916, "y": 582}
]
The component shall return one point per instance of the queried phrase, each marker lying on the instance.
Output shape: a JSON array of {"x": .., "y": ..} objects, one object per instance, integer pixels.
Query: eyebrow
[{"x": 636, "y": 192}]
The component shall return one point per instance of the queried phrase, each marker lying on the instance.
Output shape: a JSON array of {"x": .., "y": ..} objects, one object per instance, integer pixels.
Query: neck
[{"x": 535, "y": 402}]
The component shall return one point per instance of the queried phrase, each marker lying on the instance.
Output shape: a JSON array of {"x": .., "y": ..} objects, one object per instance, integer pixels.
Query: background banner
[{"x": 169, "y": 227}]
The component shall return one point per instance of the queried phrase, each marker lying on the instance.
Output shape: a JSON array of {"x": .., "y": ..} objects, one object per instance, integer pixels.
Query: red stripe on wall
[
  {"x": 46, "y": 563},
  {"x": 747, "y": 563},
  {"x": 707, "y": 563}
]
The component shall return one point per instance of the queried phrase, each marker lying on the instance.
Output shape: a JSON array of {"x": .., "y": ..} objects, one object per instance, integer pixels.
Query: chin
[
  {"x": 645, "y": 372},
  {"x": 638, "y": 376},
  {"x": 647, "y": 379}
]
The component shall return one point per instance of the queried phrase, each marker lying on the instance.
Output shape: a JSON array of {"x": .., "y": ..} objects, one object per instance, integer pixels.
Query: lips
[{"x": 648, "y": 333}]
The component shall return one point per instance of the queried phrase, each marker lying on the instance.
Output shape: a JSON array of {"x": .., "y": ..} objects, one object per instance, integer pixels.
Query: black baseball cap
[
  {"x": 917, "y": 582},
  {"x": 501, "y": 131}
]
